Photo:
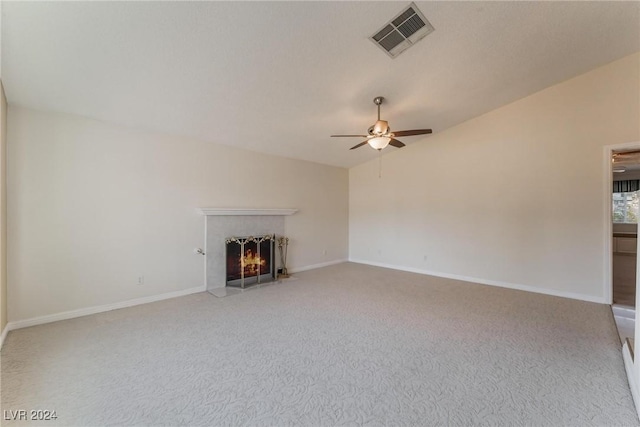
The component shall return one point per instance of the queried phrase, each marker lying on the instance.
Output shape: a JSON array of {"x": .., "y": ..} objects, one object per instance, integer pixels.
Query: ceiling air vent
[{"x": 403, "y": 31}]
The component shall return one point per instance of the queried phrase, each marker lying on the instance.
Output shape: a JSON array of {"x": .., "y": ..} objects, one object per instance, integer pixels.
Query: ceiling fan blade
[
  {"x": 358, "y": 145},
  {"x": 348, "y": 136},
  {"x": 411, "y": 132},
  {"x": 396, "y": 143},
  {"x": 626, "y": 153}
]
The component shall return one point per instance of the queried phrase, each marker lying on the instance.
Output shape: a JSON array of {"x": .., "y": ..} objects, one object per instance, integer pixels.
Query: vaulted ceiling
[{"x": 281, "y": 77}]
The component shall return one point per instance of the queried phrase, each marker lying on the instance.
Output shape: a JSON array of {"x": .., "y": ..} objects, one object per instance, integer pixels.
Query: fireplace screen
[{"x": 250, "y": 260}]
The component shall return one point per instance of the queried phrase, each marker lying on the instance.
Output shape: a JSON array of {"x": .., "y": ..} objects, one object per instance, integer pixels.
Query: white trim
[
  {"x": 100, "y": 309},
  {"x": 519, "y": 287},
  {"x": 624, "y": 311},
  {"x": 5, "y": 331},
  {"x": 204, "y": 256},
  {"x": 633, "y": 385},
  {"x": 314, "y": 266},
  {"x": 225, "y": 211},
  {"x": 607, "y": 279}
]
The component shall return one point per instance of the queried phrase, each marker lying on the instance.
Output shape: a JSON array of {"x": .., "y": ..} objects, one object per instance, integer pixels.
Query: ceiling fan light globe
[{"x": 379, "y": 142}]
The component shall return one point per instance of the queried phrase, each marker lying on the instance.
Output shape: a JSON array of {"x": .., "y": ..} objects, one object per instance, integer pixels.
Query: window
[{"x": 625, "y": 207}]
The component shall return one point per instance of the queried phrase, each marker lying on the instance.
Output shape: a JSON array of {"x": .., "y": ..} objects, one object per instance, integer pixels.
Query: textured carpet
[{"x": 343, "y": 345}]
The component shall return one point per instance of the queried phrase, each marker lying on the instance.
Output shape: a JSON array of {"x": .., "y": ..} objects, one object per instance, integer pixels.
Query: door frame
[
  {"x": 631, "y": 368},
  {"x": 608, "y": 208}
]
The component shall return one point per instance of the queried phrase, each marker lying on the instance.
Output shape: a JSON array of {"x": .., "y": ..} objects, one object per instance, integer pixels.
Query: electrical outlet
[{"x": 140, "y": 280}]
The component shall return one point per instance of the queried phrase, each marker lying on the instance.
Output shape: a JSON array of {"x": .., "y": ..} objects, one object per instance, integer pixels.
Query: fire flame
[{"x": 251, "y": 262}]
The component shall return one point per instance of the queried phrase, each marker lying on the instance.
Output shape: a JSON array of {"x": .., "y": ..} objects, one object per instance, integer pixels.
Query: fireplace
[
  {"x": 250, "y": 260},
  {"x": 220, "y": 223}
]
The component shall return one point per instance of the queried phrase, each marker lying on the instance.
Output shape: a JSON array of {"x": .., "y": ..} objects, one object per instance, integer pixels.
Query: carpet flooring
[{"x": 343, "y": 345}]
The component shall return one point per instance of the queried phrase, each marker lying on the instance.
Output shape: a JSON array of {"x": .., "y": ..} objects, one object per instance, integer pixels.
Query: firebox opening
[{"x": 250, "y": 260}]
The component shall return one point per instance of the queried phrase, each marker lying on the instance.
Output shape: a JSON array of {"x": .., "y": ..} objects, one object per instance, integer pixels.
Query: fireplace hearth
[{"x": 250, "y": 260}]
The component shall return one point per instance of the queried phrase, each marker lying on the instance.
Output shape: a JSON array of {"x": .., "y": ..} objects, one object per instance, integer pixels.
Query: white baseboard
[
  {"x": 5, "y": 331},
  {"x": 527, "y": 288},
  {"x": 18, "y": 324},
  {"x": 314, "y": 266},
  {"x": 633, "y": 384}
]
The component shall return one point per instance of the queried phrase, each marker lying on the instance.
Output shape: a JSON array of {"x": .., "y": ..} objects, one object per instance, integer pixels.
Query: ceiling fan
[
  {"x": 623, "y": 159},
  {"x": 379, "y": 135},
  {"x": 625, "y": 155}
]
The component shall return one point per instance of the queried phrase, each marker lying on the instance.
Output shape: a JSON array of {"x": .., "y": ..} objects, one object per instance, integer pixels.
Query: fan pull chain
[{"x": 379, "y": 163}]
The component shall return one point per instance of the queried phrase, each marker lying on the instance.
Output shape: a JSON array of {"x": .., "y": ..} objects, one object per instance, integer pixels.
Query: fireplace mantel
[{"x": 243, "y": 211}]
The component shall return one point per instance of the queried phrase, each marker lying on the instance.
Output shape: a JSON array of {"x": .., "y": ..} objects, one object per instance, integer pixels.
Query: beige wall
[
  {"x": 515, "y": 197},
  {"x": 94, "y": 206},
  {"x": 3, "y": 209}
]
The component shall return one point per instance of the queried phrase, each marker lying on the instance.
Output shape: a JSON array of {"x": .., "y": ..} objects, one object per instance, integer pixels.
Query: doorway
[{"x": 623, "y": 215}]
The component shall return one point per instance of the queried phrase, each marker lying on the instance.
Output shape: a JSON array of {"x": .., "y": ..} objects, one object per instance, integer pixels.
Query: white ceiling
[{"x": 281, "y": 77}]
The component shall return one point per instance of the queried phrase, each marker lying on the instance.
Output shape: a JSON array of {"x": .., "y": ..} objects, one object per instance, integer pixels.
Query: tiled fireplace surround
[{"x": 223, "y": 223}]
